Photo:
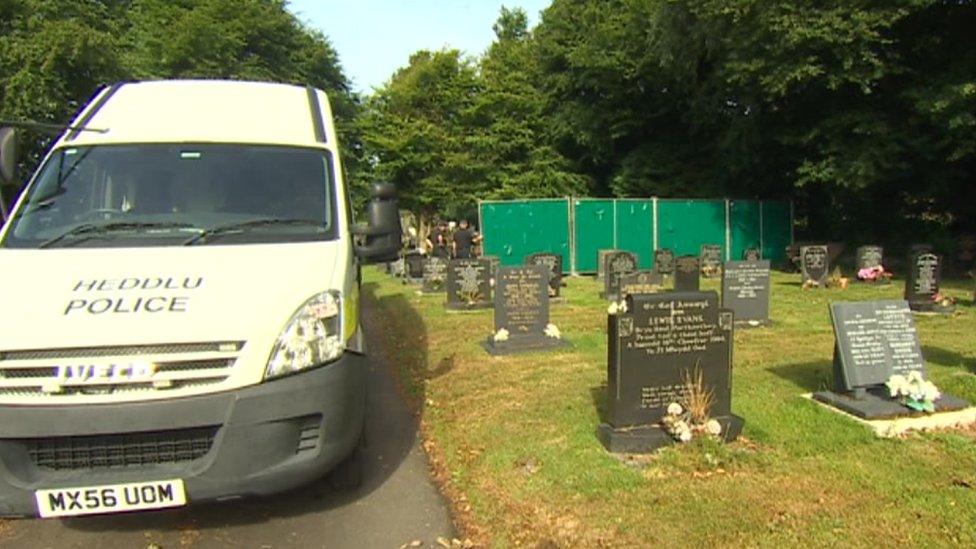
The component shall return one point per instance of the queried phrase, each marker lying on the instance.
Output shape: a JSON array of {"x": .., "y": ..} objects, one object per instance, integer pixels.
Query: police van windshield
[{"x": 177, "y": 194}]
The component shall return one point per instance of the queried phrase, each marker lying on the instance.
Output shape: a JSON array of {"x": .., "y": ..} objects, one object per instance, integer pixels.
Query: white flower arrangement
[
  {"x": 622, "y": 306},
  {"x": 613, "y": 309},
  {"x": 914, "y": 391},
  {"x": 552, "y": 331},
  {"x": 679, "y": 424},
  {"x": 500, "y": 335}
]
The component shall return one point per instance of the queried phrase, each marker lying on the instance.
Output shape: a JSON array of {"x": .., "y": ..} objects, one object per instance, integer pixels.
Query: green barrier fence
[{"x": 577, "y": 228}]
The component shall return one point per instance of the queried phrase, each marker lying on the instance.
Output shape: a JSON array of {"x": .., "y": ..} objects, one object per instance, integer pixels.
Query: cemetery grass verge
[{"x": 512, "y": 439}]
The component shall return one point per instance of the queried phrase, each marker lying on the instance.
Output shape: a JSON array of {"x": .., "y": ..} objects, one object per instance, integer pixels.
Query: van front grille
[{"x": 119, "y": 450}]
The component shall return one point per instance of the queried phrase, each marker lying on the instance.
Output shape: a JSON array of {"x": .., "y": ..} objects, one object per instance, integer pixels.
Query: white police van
[{"x": 179, "y": 301}]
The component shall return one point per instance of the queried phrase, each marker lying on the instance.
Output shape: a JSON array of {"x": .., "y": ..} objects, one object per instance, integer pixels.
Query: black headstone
[
  {"x": 752, "y": 254},
  {"x": 435, "y": 275},
  {"x": 869, "y": 257},
  {"x": 641, "y": 282},
  {"x": 814, "y": 265},
  {"x": 553, "y": 262},
  {"x": 415, "y": 266},
  {"x": 923, "y": 282},
  {"x": 664, "y": 261},
  {"x": 468, "y": 284},
  {"x": 659, "y": 343},
  {"x": 873, "y": 341},
  {"x": 686, "y": 274},
  {"x": 745, "y": 290},
  {"x": 617, "y": 265},
  {"x": 522, "y": 311},
  {"x": 711, "y": 260}
]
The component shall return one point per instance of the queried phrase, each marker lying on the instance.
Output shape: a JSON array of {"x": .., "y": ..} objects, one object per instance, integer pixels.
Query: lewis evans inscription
[
  {"x": 745, "y": 290},
  {"x": 134, "y": 295},
  {"x": 660, "y": 340}
]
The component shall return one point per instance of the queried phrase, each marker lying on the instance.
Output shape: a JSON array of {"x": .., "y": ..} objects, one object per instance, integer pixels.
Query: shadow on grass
[
  {"x": 391, "y": 431},
  {"x": 950, "y": 359},
  {"x": 810, "y": 377},
  {"x": 598, "y": 395}
]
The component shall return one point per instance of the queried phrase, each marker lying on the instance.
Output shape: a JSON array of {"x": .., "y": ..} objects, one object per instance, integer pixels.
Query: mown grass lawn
[{"x": 514, "y": 439}]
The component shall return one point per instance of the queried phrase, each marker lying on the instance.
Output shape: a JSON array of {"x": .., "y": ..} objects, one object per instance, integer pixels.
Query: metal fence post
[
  {"x": 728, "y": 229},
  {"x": 654, "y": 226},
  {"x": 571, "y": 215}
]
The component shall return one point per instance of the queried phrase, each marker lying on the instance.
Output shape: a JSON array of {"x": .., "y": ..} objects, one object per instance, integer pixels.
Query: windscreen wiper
[
  {"x": 245, "y": 225},
  {"x": 92, "y": 229}
]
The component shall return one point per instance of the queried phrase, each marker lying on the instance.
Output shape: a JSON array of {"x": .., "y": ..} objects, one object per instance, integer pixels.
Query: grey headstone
[
  {"x": 641, "y": 282},
  {"x": 711, "y": 260},
  {"x": 468, "y": 284},
  {"x": 687, "y": 273},
  {"x": 616, "y": 265},
  {"x": 522, "y": 309},
  {"x": 873, "y": 341},
  {"x": 600, "y": 263},
  {"x": 435, "y": 275},
  {"x": 553, "y": 262},
  {"x": 869, "y": 257},
  {"x": 664, "y": 261},
  {"x": 745, "y": 290},
  {"x": 814, "y": 265}
]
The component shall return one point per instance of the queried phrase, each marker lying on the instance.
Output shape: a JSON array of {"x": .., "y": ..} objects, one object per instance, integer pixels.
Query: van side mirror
[
  {"x": 8, "y": 156},
  {"x": 380, "y": 237}
]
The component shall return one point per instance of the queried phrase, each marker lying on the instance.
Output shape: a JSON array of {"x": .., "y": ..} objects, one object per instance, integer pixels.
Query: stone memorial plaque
[
  {"x": 617, "y": 265},
  {"x": 468, "y": 284},
  {"x": 553, "y": 262},
  {"x": 600, "y": 263},
  {"x": 873, "y": 341},
  {"x": 711, "y": 260},
  {"x": 521, "y": 311},
  {"x": 664, "y": 261},
  {"x": 686, "y": 274},
  {"x": 435, "y": 275},
  {"x": 869, "y": 257},
  {"x": 414, "y": 267},
  {"x": 641, "y": 282},
  {"x": 745, "y": 290},
  {"x": 752, "y": 254},
  {"x": 923, "y": 281},
  {"x": 495, "y": 262},
  {"x": 814, "y": 265},
  {"x": 398, "y": 268},
  {"x": 660, "y": 343}
]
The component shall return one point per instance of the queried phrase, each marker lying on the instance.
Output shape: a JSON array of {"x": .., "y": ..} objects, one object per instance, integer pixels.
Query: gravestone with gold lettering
[
  {"x": 522, "y": 312},
  {"x": 924, "y": 281},
  {"x": 435, "y": 276},
  {"x": 468, "y": 284},
  {"x": 553, "y": 262},
  {"x": 657, "y": 348}
]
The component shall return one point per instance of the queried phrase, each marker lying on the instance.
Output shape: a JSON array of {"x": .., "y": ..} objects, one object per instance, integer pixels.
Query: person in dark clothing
[
  {"x": 437, "y": 240},
  {"x": 464, "y": 240}
]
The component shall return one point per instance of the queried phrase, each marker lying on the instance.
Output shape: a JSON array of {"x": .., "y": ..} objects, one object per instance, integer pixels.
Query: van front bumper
[{"x": 256, "y": 440}]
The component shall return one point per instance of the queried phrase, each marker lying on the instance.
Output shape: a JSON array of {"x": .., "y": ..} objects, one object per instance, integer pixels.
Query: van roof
[{"x": 207, "y": 111}]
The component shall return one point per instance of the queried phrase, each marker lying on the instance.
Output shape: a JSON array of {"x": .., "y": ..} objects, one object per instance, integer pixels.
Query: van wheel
[{"x": 348, "y": 474}]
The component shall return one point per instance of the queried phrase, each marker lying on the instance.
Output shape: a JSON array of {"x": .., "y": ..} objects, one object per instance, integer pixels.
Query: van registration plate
[{"x": 110, "y": 498}]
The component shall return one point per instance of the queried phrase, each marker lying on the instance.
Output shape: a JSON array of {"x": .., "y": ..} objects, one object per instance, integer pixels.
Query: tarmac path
[{"x": 397, "y": 503}]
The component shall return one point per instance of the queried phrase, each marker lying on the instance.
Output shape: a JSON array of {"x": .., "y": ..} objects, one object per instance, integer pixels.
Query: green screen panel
[
  {"x": 745, "y": 226},
  {"x": 515, "y": 229},
  {"x": 635, "y": 229},
  {"x": 777, "y": 225},
  {"x": 593, "y": 231},
  {"x": 684, "y": 225}
]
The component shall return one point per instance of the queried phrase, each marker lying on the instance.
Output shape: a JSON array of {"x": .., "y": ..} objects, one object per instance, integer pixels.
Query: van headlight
[{"x": 312, "y": 337}]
